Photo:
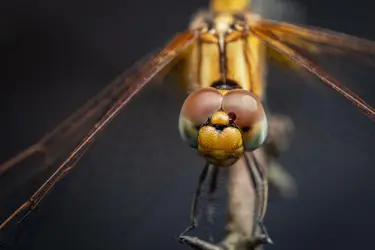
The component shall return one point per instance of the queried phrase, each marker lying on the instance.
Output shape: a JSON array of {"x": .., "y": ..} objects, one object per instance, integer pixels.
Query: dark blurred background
[{"x": 133, "y": 189}]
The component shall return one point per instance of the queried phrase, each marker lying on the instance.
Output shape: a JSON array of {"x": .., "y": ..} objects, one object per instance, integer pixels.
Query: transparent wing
[
  {"x": 290, "y": 41},
  {"x": 72, "y": 138},
  {"x": 317, "y": 40}
]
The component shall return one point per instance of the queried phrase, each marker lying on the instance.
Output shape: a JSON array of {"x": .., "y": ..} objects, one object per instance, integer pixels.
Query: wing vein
[
  {"x": 146, "y": 72},
  {"x": 276, "y": 44}
]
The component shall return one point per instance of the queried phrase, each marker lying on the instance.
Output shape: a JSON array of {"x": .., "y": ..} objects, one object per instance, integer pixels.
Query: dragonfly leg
[
  {"x": 211, "y": 206},
  {"x": 284, "y": 183},
  {"x": 194, "y": 207},
  {"x": 199, "y": 244},
  {"x": 264, "y": 237},
  {"x": 280, "y": 133},
  {"x": 260, "y": 185}
]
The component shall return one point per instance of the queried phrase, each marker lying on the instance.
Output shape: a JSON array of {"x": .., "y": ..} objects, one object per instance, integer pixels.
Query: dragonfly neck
[{"x": 226, "y": 85}]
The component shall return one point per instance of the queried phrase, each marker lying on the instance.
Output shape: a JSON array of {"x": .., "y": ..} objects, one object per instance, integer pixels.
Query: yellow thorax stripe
[{"x": 229, "y": 5}]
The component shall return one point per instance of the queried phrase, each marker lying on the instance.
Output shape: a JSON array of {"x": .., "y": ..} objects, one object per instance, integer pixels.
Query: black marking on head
[
  {"x": 219, "y": 127},
  {"x": 246, "y": 129},
  {"x": 232, "y": 116},
  {"x": 207, "y": 122}
]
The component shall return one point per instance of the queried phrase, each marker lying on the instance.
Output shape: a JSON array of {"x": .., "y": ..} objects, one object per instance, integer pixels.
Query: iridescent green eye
[
  {"x": 249, "y": 117},
  {"x": 197, "y": 108}
]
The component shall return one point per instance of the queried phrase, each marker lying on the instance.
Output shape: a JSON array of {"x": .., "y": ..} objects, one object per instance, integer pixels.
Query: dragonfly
[{"x": 220, "y": 59}]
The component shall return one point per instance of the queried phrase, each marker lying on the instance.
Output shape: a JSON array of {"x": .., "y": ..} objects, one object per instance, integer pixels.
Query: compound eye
[
  {"x": 197, "y": 108},
  {"x": 249, "y": 116}
]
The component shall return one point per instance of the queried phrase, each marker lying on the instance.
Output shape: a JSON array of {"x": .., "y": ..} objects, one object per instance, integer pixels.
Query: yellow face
[{"x": 221, "y": 125}]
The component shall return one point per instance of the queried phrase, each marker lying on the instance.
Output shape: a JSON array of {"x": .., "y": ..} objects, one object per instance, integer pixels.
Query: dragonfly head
[{"x": 222, "y": 125}]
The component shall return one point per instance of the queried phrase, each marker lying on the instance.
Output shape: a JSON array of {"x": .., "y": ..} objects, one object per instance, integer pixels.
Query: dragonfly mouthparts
[{"x": 219, "y": 127}]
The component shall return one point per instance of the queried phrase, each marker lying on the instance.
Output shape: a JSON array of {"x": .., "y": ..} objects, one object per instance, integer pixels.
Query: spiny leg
[
  {"x": 199, "y": 244},
  {"x": 263, "y": 238},
  {"x": 194, "y": 211},
  {"x": 211, "y": 202},
  {"x": 284, "y": 183},
  {"x": 260, "y": 186},
  {"x": 280, "y": 132},
  {"x": 263, "y": 192}
]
